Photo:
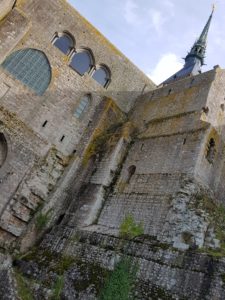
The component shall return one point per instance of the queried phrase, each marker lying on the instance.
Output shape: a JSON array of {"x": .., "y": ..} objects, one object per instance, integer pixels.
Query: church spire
[
  {"x": 199, "y": 48},
  {"x": 195, "y": 58}
]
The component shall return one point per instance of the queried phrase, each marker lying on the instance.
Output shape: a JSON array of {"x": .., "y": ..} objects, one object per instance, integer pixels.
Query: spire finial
[{"x": 213, "y": 7}]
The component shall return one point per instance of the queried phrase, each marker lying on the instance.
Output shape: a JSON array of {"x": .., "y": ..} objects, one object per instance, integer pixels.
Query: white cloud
[
  {"x": 170, "y": 5},
  {"x": 157, "y": 20},
  {"x": 168, "y": 64},
  {"x": 130, "y": 12},
  {"x": 159, "y": 17}
]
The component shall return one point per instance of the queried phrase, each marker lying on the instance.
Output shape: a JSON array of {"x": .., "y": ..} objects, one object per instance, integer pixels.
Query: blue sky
[{"x": 155, "y": 35}]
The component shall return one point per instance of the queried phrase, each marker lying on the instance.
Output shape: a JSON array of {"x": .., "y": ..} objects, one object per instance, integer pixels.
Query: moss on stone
[{"x": 216, "y": 214}]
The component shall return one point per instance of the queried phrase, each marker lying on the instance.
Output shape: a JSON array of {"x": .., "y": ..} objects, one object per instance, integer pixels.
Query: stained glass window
[
  {"x": 64, "y": 43},
  {"x": 31, "y": 67},
  {"x": 81, "y": 62},
  {"x": 82, "y": 107},
  {"x": 101, "y": 75}
]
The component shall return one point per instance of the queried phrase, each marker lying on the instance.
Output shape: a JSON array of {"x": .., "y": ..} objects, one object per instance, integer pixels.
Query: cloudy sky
[{"x": 156, "y": 34}]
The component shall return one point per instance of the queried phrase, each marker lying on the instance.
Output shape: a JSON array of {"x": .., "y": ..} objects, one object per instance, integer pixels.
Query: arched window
[
  {"x": 64, "y": 42},
  {"x": 3, "y": 149},
  {"x": 102, "y": 76},
  {"x": 82, "y": 62},
  {"x": 31, "y": 67},
  {"x": 82, "y": 106}
]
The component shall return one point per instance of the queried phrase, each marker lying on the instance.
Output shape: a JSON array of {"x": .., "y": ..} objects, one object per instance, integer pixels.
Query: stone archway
[{"x": 3, "y": 149}]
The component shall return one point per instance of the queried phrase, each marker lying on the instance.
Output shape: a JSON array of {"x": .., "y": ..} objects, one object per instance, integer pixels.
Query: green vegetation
[
  {"x": 120, "y": 282},
  {"x": 104, "y": 139},
  {"x": 217, "y": 217},
  {"x": 58, "y": 287},
  {"x": 63, "y": 264},
  {"x": 22, "y": 287},
  {"x": 130, "y": 229},
  {"x": 42, "y": 220}
]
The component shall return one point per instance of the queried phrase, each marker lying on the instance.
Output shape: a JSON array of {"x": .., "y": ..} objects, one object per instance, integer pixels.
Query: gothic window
[
  {"x": 31, "y": 67},
  {"x": 82, "y": 106},
  {"x": 102, "y": 76},
  {"x": 82, "y": 62},
  {"x": 3, "y": 149},
  {"x": 211, "y": 151},
  {"x": 64, "y": 42}
]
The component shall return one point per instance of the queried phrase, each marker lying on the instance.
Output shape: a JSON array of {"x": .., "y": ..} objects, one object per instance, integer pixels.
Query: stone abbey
[{"x": 99, "y": 165}]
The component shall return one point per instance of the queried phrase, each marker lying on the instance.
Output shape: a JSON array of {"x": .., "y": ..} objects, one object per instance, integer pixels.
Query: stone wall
[
  {"x": 42, "y": 132},
  {"x": 161, "y": 270}
]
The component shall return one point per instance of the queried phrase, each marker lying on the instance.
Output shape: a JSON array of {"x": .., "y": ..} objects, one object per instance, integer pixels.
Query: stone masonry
[{"x": 68, "y": 182}]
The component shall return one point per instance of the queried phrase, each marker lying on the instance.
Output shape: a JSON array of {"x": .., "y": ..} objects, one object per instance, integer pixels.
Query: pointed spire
[
  {"x": 204, "y": 34},
  {"x": 199, "y": 48},
  {"x": 195, "y": 58}
]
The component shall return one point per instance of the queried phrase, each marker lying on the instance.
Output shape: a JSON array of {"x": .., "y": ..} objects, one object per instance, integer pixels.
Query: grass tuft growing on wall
[
  {"x": 58, "y": 287},
  {"x": 42, "y": 220},
  {"x": 22, "y": 288},
  {"x": 120, "y": 282},
  {"x": 130, "y": 229}
]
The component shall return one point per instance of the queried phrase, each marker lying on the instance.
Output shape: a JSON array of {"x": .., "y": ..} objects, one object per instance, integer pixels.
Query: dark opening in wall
[
  {"x": 169, "y": 92},
  {"x": 62, "y": 138},
  {"x": 222, "y": 107},
  {"x": 205, "y": 110},
  {"x": 130, "y": 172},
  {"x": 211, "y": 151},
  {"x": 3, "y": 149},
  {"x": 61, "y": 217},
  {"x": 184, "y": 141},
  {"x": 45, "y": 123}
]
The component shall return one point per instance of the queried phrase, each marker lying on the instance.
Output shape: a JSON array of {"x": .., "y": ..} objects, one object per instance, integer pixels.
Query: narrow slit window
[
  {"x": 62, "y": 138},
  {"x": 45, "y": 123},
  {"x": 82, "y": 106},
  {"x": 3, "y": 149},
  {"x": 211, "y": 151}
]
